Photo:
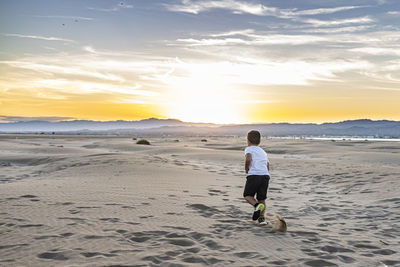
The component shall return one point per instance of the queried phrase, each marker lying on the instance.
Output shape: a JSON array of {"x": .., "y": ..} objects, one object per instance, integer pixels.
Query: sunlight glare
[{"x": 202, "y": 96}]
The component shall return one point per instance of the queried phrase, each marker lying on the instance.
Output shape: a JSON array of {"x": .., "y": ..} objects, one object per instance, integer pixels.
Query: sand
[{"x": 105, "y": 201}]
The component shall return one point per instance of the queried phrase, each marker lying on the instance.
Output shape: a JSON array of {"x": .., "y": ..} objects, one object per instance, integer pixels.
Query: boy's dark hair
[{"x": 254, "y": 137}]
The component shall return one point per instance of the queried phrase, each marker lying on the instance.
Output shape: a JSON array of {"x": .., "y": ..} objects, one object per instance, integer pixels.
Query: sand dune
[{"x": 105, "y": 201}]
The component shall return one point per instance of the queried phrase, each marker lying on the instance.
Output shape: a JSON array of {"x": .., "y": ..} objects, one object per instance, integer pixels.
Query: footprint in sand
[
  {"x": 94, "y": 254},
  {"x": 28, "y": 196},
  {"x": 318, "y": 263},
  {"x": 113, "y": 220},
  {"x": 59, "y": 256}
]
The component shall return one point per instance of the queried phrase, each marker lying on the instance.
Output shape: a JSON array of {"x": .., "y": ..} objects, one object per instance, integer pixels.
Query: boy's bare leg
[{"x": 251, "y": 200}]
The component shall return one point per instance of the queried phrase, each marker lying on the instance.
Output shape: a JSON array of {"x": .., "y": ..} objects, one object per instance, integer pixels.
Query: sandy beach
[{"x": 106, "y": 201}]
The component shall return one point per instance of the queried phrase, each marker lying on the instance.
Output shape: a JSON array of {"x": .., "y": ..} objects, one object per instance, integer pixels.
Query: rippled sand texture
[{"x": 101, "y": 201}]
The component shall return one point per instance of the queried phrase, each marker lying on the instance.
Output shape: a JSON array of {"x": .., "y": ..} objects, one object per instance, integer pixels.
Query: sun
[{"x": 201, "y": 95}]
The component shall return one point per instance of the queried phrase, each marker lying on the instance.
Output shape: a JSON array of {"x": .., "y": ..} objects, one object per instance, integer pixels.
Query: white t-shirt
[{"x": 259, "y": 160}]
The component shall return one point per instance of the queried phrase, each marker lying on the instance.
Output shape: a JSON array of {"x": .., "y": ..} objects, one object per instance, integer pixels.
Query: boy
[{"x": 257, "y": 168}]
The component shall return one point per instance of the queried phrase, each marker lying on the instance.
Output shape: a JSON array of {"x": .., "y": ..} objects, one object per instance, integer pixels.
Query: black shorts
[{"x": 256, "y": 184}]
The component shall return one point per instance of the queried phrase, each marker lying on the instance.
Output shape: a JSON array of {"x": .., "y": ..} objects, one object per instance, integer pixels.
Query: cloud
[
  {"x": 102, "y": 52},
  {"x": 339, "y": 30},
  {"x": 68, "y": 89},
  {"x": 393, "y": 65},
  {"x": 231, "y": 33},
  {"x": 54, "y": 69},
  {"x": 126, "y": 6},
  {"x": 92, "y": 87},
  {"x": 104, "y": 9},
  {"x": 207, "y": 42},
  {"x": 66, "y": 76},
  {"x": 237, "y": 7},
  {"x": 319, "y": 23},
  {"x": 319, "y": 11},
  {"x": 339, "y": 36},
  {"x": 383, "y": 78},
  {"x": 275, "y": 39},
  {"x": 380, "y": 88},
  {"x": 244, "y": 61},
  {"x": 253, "y": 71},
  {"x": 5, "y": 119},
  {"x": 393, "y": 13},
  {"x": 121, "y": 5},
  {"x": 65, "y": 17},
  {"x": 50, "y": 48},
  {"x": 251, "y": 38},
  {"x": 38, "y": 37},
  {"x": 152, "y": 72},
  {"x": 90, "y": 49},
  {"x": 377, "y": 51},
  {"x": 246, "y": 7}
]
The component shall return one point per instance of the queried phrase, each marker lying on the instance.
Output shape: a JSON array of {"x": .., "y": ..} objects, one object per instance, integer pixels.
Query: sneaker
[
  {"x": 257, "y": 211},
  {"x": 262, "y": 221}
]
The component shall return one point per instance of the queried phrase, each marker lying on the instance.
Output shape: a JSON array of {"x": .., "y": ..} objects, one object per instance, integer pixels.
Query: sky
[{"x": 221, "y": 61}]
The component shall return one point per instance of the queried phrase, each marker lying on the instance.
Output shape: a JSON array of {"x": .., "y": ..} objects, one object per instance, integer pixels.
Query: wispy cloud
[
  {"x": 250, "y": 37},
  {"x": 50, "y": 48},
  {"x": 90, "y": 49},
  {"x": 65, "y": 17},
  {"x": 67, "y": 76},
  {"x": 319, "y": 11},
  {"x": 208, "y": 42},
  {"x": 38, "y": 37},
  {"x": 232, "y": 33},
  {"x": 274, "y": 39},
  {"x": 245, "y": 7},
  {"x": 111, "y": 75},
  {"x": 51, "y": 69},
  {"x": 121, "y": 5},
  {"x": 344, "y": 36},
  {"x": 93, "y": 87},
  {"x": 253, "y": 71},
  {"x": 381, "y": 88},
  {"x": 393, "y": 65},
  {"x": 377, "y": 51},
  {"x": 237, "y": 7},
  {"x": 339, "y": 29},
  {"x": 102, "y": 52},
  {"x": 393, "y": 13},
  {"x": 112, "y": 9},
  {"x": 319, "y": 23}
]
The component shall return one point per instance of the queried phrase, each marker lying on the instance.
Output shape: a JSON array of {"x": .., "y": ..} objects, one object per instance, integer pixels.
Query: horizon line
[{"x": 70, "y": 119}]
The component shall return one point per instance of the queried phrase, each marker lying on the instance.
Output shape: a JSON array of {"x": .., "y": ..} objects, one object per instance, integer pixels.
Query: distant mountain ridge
[
  {"x": 79, "y": 125},
  {"x": 153, "y": 126}
]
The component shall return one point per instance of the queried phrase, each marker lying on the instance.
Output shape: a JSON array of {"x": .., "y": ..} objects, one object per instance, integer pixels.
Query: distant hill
[
  {"x": 79, "y": 125},
  {"x": 158, "y": 127}
]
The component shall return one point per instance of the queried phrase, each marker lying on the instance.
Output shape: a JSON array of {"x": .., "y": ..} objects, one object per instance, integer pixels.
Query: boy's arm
[
  {"x": 247, "y": 162},
  {"x": 268, "y": 165}
]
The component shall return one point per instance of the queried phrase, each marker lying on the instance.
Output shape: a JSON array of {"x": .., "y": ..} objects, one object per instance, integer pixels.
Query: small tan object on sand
[{"x": 279, "y": 224}]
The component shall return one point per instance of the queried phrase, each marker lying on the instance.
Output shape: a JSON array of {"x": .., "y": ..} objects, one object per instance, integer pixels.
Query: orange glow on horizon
[{"x": 292, "y": 112}]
